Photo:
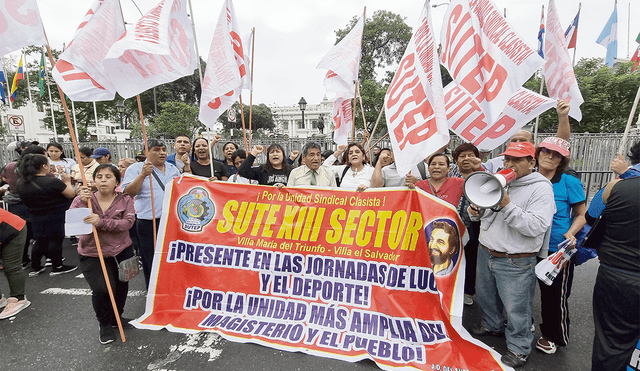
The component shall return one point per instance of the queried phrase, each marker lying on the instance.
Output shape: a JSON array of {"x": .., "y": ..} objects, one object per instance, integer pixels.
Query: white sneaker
[
  {"x": 468, "y": 299},
  {"x": 14, "y": 306}
]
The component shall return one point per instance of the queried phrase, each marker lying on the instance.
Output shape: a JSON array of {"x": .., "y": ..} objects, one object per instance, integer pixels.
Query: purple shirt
[{"x": 113, "y": 228}]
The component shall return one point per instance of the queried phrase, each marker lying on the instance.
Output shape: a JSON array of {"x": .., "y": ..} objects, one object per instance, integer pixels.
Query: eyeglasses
[{"x": 551, "y": 153}]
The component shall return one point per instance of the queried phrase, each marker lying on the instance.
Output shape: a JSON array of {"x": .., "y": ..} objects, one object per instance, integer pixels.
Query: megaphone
[{"x": 485, "y": 190}]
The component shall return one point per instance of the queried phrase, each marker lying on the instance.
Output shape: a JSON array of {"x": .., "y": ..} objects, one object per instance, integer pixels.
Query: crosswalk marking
[{"x": 85, "y": 292}]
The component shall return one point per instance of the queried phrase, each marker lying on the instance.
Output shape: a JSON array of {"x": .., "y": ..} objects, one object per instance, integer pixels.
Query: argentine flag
[{"x": 609, "y": 37}]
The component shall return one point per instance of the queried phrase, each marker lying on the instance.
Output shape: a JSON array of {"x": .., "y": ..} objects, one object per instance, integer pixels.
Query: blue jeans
[{"x": 509, "y": 284}]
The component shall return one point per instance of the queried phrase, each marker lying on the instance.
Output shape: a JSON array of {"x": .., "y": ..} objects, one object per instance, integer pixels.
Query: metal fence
[{"x": 590, "y": 153}]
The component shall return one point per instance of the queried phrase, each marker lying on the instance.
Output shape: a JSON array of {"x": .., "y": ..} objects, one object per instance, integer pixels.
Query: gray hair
[
  {"x": 308, "y": 146},
  {"x": 153, "y": 142}
]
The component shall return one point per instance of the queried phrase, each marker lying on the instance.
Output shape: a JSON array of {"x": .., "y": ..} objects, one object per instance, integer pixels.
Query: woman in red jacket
[{"x": 112, "y": 215}]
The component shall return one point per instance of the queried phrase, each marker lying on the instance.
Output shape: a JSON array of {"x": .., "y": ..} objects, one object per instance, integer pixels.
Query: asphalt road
[{"x": 59, "y": 332}]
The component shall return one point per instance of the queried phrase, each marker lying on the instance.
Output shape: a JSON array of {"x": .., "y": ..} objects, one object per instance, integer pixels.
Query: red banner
[{"x": 325, "y": 272}]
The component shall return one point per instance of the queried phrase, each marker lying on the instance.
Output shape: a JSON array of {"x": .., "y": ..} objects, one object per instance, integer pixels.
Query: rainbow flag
[{"x": 16, "y": 78}]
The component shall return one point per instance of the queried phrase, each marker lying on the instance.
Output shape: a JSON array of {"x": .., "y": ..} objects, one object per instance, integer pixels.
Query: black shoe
[
  {"x": 513, "y": 359},
  {"x": 106, "y": 334},
  {"x": 62, "y": 270},
  {"x": 483, "y": 331},
  {"x": 125, "y": 323}
]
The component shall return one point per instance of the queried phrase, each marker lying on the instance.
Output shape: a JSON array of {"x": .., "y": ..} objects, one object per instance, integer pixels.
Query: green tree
[
  {"x": 608, "y": 97},
  {"x": 262, "y": 121},
  {"x": 384, "y": 40},
  {"x": 175, "y": 118}
]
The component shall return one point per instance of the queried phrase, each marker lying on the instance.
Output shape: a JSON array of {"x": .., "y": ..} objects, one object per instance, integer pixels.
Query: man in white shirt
[{"x": 386, "y": 174}]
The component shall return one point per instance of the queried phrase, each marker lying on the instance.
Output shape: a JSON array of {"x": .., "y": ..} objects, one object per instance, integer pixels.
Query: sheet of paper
[{"x": 74, "y": 224}]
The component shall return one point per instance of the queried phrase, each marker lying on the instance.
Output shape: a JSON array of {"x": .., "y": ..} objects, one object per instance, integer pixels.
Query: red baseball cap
[
  {"x": 522, "y": 149},
  {"x": 556, "y": 144}
]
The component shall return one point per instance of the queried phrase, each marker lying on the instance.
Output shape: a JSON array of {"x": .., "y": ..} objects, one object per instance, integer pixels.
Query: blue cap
[{"x": 99, "y": 152}]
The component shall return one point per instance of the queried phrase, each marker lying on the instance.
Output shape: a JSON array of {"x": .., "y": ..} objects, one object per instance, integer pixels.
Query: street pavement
[{"x": 59, "y": 331}]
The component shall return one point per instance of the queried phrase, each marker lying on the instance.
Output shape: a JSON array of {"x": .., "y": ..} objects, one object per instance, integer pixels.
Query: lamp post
[
  {"x": 303, "y": 106},
  {"x": 120, "y": 108}
]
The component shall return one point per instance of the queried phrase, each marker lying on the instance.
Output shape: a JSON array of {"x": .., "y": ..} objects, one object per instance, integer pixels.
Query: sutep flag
[
  {"x": 609, "y": 37},
  {"x": 41, "y": 74},
  {"x": 414, "y": 102},
  {"x": 159, "y": 49},
  {"x": 247, "y": 43},
  {"x": 223, "y": 79},
  {"x": 485, "y": 55},
  {"x": 3, "y": 95},
  {"x": 16, "y": 78},
  {"x": 79, "y": 71},
  {"x": 558, "y": 71},
  {"x": 20, "y": 25},
  {"x": 541, "y": 35},
  {"x": 343, "y": 63},
  {"x": 571, "y": 34}
]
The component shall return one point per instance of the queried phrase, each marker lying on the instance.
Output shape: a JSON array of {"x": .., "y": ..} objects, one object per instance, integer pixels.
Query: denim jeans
[{"x": 509, "y": 284}]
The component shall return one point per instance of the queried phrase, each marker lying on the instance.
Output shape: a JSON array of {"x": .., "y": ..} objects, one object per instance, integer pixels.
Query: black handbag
[{"x": 593, "y": 239}]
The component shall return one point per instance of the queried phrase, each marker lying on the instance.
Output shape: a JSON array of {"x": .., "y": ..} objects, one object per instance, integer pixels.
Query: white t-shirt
[
  {"x": 63, "y": 166},
  {"x": 351, "y": 179}
]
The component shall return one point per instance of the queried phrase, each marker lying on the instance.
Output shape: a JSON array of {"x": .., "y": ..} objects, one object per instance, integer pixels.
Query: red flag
[
  {"x": 226, "y": 68},
  {"x": 414, "y": 102},
  {"x": 571, "y": 34},
  {"x": 636, "y": 58}
]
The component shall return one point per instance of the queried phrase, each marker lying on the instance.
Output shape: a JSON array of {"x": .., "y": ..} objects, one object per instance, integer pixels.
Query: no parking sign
[{"x": 15, "y": 123}]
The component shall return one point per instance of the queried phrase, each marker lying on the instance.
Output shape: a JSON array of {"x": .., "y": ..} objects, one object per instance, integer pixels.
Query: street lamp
[
  {"x": 120, "y": 108},
  {"x": 303, "y": 106}
]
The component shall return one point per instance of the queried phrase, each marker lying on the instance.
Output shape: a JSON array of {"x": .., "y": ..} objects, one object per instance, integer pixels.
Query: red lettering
[
  {"x": 30, "y": 18},
  {"x": 501, "y": 127},
  {"x": 129, "y": 58}
]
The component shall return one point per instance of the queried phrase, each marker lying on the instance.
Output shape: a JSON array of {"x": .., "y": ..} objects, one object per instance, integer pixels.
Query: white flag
[
  {"x": 466, "y": 119},
  {"x": 79, "y": 71},
  {"x": 247, "y": 44},
  {"x": 225, "y": 68},
  {"x": 414, "y": 103},
  {"x": 342, "y": 117},
  {"x": 343, "y": 62},
  {"x": 484, "y": 54},
  {"x": 20, "y": 25},
  {"x": 558, "y": 70},
  {"x": 159, "y": 49}
]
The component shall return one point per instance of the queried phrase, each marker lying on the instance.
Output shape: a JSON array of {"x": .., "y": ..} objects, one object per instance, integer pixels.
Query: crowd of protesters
[{"x": 542, "y": 208}]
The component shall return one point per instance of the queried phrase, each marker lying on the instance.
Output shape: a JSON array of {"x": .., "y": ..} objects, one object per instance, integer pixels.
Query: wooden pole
[
  {"x": 253, "y": 43},
  {"x": 74, "y": 139},
  {"x": 244, "y": 128},
  {"x": 535, "y": 127},
  {"x": 375, "y": 126},
  {"x": 353, "y": 115}
]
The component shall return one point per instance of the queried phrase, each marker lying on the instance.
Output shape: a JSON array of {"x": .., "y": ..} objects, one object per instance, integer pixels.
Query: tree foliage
[
  {"x": 608, "y": 97},
  {"x": 384, "y": 40},
  {"x": 175, "y": 118},
  {"x": 262, "y": 123}
]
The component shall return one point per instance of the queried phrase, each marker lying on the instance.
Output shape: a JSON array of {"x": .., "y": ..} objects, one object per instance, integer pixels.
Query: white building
[{"x": 289, "y": 119}]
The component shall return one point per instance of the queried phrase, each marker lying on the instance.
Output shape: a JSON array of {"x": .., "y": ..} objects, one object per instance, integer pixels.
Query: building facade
[{"x": 289, "y": 119}]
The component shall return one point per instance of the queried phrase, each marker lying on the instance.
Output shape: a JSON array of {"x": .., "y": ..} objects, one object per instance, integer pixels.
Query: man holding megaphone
[{"x": 511, "y": 234}]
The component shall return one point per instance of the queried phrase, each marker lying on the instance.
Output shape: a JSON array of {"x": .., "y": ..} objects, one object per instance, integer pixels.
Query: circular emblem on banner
[
  {"x": 195, "y": 210},
  {"x": 16, "y": 121},
  {"x": 231, "y": 114}
]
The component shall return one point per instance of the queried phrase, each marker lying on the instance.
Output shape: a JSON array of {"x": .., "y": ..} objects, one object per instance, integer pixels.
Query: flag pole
[
  {"x": 74, "y": 139},
  {"x": 535, "y": 127},
  {"x": 573, "y": 62},
  {"x": 195, "y": 41},
  {"x": 253, "y": 45},
  {"x": 75, "y": 122},
  {"x": 375, "y": 126},
  {"x": 53, "y": 118},
  {"x": 353, "y": 115},
  {"x": 628, "y": 29},
  {"x": 8, "y": 91},
  {"x": 244, "y": 128},
  {"x": 26, "y": 73},
  {"x": 623, "y": 142}
]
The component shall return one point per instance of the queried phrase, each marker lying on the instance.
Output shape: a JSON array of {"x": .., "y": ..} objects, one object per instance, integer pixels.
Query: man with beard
[{"x": 443, "y": 246}]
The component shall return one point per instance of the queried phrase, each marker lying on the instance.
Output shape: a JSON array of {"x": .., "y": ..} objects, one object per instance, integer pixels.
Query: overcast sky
[{"x": 292, "y": 36}]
